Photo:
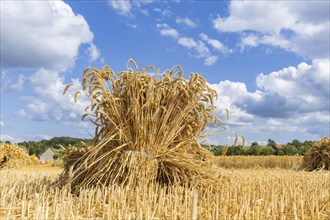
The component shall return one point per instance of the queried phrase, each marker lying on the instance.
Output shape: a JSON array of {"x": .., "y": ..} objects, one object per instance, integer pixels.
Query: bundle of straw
[
  {"x": 72, "y": 155},
  {"x": 147, "y": 128},
  {"x": 13, "y": 156},
  {"x": 318, "y": 157}
]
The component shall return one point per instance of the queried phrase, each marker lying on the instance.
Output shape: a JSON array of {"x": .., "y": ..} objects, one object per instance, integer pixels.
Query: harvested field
[
  {"x": 243, "y": 194},
  {"x": 248, "y": 162}
]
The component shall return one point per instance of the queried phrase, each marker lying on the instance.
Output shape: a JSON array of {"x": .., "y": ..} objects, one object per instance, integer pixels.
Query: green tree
[
  {"x": 289, "y": 150},
  {"x": 35, "y": 147},
  {"x": 271, "y": 143},
  {"x": 64, "y": 141},
  {"x": 304, "y": 147},
  {"x": 254, "y": 150},
  {"x": 267, "y": 151},
  {"x": 235, "y": 151},
  {"x": 217, "y": 150},
  {"x": 254, "y": 143},
  {"x": 296, "y": 143}
]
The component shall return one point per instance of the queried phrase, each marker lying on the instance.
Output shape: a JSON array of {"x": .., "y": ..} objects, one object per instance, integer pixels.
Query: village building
[
  {"x": 48, "y": 154},
  {"x": 277, "y": 147}
]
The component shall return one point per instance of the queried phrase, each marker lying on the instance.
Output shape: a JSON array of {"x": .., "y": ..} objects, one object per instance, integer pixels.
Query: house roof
[
  {"x": 42, "y": 152},
  {"x": 278, "y": 146}
]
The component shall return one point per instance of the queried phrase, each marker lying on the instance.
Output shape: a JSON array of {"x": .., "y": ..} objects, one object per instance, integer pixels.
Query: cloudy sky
[{"x": 268, "y": 60}]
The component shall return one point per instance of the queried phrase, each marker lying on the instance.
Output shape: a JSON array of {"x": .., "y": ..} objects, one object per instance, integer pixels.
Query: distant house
[
  {"x": 48, "y": 154},
  {"x": 277, "y": 147}
]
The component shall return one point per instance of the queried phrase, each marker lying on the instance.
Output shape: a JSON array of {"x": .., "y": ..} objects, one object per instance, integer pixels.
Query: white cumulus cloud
[
  {"x": 94, "y": 52},
  {"x": 199, "y": 48},
  {"x": 186, "y": 21},
  {"x": 302, "y": 28},
  {"x": 292, "y": 101},
  {"x": 128, "y": 7},
  {"x": 304, "y": 88},
  {"x": 20, "y": 112},
  {"x": 166, "y": 30},
  {"x": 19, "y": 83},
  {"x": 164, "y": 12},
  {"x": 44, "y": 34},
  {"x": 210, "y": 60},
  {"x": 187, "y": 42},
  {"x": 123, "y": 7},
  {"x": 6, "y": 137},
  {"x": 50, "y": 103},
  {"x": 216, "y": 44}
]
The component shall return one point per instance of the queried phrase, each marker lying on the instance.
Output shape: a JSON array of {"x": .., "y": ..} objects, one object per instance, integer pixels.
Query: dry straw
[
  {"x": 148, "y": 129},
  {"x": 12, "y": 156},
  {"x": 318, "y": 157},
  {"x": 249, "y": 194}
]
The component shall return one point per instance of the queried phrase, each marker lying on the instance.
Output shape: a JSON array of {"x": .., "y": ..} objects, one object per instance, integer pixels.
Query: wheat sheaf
[{"x": 148, "y": 128}]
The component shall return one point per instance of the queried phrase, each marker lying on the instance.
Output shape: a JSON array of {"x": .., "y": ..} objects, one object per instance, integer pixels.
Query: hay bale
[
  {"x": 12, "y": 156},
  {"x": 147, "y": 129},
  {"x": 318, "y": 157}
]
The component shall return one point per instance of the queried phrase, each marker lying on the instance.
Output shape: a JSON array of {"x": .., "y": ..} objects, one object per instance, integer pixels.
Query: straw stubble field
[
  {"x": 257, "y": 193},
  {"x": 146, "y": 162}
]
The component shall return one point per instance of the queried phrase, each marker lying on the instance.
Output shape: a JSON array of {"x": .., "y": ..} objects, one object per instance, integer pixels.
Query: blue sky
[{"x": 268, "y": 61}]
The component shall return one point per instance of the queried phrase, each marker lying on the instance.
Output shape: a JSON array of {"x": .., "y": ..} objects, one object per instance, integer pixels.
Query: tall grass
[{"x": 244, "y": 194}]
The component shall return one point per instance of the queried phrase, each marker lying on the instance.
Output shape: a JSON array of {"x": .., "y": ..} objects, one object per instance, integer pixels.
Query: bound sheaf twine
[{"x": 147, "y": 129}]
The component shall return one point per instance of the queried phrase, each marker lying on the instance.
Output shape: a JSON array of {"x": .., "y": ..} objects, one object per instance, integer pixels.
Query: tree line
[
  {"x": 290, "y": 149},
  {"x": 295, "y": 147},
  {"x": 58, "y": 145}
]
